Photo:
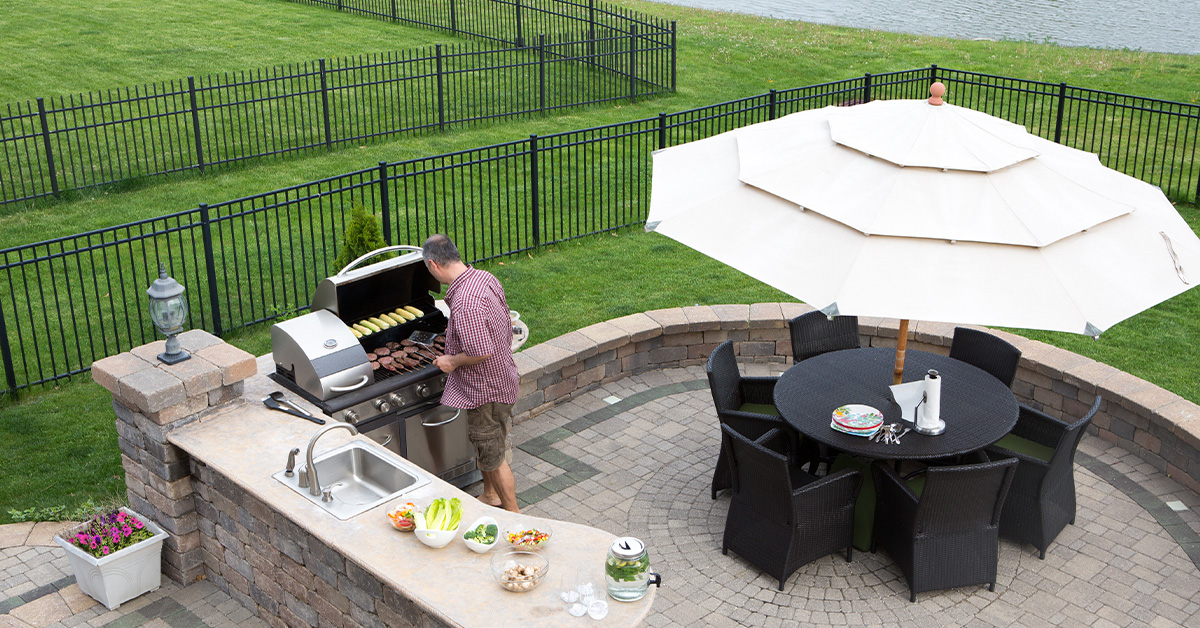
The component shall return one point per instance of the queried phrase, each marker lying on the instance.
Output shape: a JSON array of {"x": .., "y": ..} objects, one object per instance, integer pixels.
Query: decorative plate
[{"x": 857, "y": 417}]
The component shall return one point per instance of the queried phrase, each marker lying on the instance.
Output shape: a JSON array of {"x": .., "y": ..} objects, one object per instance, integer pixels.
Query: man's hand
[
  {"x": 450, "y": 362},
  {"x": 445, "y": 363}
]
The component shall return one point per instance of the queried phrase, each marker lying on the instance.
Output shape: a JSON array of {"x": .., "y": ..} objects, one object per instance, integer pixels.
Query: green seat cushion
[
  {"x": 864, "y": 508},
  {"x": 1026, "y": 446},
  {"x": 759, "y": 408},
  {"x": 917, "y": 484}
]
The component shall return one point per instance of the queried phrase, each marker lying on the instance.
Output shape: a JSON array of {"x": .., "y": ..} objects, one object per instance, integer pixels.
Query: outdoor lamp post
[{"x": 168, "y": 311}]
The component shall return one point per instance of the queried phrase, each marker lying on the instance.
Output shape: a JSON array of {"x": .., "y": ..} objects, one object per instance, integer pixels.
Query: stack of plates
[{"x": 857, "y": 419}]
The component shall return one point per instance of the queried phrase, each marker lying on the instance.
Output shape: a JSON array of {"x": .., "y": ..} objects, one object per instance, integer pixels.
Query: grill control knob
[
  {"x": 395, "y": 399},
  {"x": 423, "y": 390},
  {"x": 351, "y": 417},
  {"x": 382, "y": 405}
]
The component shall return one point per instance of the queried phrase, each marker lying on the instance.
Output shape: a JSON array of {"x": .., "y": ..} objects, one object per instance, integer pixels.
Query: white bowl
[
  {"x": 477, "y": 547},
  {"x": 436, "y": 538}
]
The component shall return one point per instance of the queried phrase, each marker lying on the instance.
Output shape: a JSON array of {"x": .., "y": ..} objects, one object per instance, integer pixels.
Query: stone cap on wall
[
  {"x": 168, "y": 392},
  {"x": 1157, "y": 425}
]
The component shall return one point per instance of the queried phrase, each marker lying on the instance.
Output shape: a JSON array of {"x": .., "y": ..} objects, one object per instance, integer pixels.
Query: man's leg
[
  {"x": 502, "y": 482},
  {"x": 489, "y": 495}
]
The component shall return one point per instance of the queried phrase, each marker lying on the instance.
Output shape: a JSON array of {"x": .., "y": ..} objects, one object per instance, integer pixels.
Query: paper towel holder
[{"x": 938, "y": 425}]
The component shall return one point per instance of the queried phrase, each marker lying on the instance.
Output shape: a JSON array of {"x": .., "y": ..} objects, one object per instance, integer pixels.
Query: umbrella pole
[{"x": 901, "y": 343}]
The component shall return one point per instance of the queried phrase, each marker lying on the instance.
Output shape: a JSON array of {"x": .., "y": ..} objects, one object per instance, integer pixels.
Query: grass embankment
[{"x": 57, "y": 445}]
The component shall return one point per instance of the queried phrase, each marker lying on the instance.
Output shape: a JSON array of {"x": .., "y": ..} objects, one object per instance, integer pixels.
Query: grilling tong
[{"x": 276, "y": 401}]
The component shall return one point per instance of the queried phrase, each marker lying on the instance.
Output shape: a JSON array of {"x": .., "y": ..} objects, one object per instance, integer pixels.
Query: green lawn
[
  {"x": 56, "y": 444},
  {"x": 95, "y": 46}
]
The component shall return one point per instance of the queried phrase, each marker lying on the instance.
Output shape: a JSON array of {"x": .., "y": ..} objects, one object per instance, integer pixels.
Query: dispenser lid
[{"x": 628, "y": 548}]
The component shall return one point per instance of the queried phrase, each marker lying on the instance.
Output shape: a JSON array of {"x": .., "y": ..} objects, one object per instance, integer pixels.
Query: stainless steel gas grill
[{"x": 381, "y": 382}]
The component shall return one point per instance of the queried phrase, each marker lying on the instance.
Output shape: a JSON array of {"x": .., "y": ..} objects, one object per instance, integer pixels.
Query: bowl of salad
[
  {"x": 528, "y": 535},
  {"x": 482, "y": 535},
  {"x": 403, "y": 517}
]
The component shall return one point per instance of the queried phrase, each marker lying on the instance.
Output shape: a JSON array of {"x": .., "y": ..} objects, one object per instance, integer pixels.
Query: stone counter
[{"x": 206, "y": 477}]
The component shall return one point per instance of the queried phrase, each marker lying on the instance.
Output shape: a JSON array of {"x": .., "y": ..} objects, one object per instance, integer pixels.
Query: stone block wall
[
  {"x": 1157, "y": 425},
  {"x": 289, "y": 578},
  {"x": 150, "y": 399}
]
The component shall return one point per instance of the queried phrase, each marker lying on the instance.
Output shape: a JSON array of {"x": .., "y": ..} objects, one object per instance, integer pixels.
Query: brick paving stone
[{"x": 654, "y": 453}]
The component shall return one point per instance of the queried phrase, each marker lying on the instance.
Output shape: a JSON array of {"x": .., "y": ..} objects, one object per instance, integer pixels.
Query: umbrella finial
[{"x": 935, "y": 93}]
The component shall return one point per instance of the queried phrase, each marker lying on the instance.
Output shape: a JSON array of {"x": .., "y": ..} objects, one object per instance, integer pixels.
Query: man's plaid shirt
[{"x": 479, "y": 325}]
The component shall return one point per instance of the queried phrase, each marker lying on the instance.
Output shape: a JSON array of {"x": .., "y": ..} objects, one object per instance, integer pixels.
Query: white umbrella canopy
[{"x": 926, "y": 212}]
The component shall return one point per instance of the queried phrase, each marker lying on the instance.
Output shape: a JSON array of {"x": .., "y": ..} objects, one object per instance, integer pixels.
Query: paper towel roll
[{"x": 931, "y": 409}]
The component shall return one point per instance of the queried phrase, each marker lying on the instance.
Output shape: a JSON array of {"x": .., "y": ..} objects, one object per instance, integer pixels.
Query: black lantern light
[{"x": 168, "y": 311}]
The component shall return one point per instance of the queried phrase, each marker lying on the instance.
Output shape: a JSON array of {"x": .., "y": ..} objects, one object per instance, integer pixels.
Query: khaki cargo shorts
[{"x": 488, "y": 429}]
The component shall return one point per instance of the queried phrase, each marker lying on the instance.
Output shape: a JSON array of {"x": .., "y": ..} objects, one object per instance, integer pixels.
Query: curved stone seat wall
[{"x": 1157, "y": 425}]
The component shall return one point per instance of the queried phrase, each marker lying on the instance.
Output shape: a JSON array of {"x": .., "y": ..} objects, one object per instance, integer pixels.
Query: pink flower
[
  {"x": 126, "y": 530},
  {"x": 120, "y": 517},
  {"x": 105, "y": 551},
  {"x": 94, "y": 546},
  {"x": 137, "y": 524}
]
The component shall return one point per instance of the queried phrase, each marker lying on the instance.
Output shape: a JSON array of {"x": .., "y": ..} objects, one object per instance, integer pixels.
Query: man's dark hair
[{"x": 440, "y": 250}]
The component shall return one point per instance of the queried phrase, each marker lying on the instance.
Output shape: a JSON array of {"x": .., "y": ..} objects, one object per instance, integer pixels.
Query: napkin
[{"x": 908, "y": 397}]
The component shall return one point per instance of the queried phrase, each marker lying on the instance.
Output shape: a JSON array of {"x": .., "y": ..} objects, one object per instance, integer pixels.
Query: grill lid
[
  {"x": 357, "y": 293},
  {"x": 320, "y": 354}
]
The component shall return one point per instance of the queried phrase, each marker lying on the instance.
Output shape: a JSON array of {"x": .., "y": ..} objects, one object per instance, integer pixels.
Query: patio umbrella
[{"x": 915, "y": 209}]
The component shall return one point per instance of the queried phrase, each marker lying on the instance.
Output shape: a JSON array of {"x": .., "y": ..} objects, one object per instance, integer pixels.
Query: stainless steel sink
[{"x": 359, "y": 476}]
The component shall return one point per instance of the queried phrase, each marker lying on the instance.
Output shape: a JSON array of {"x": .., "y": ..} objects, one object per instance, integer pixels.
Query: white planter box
[{"x": 123, "y": 575}]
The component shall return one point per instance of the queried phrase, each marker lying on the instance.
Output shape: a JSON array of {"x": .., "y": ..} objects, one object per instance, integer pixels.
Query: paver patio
[{"x": 635, "y": 457}]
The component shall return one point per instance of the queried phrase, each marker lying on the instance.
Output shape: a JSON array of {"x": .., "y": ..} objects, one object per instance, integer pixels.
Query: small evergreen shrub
[{"x": 363, "y": 235}]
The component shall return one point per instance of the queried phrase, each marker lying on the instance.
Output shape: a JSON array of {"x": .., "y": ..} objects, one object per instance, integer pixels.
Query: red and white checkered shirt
[{"x": 479, "y": 325}]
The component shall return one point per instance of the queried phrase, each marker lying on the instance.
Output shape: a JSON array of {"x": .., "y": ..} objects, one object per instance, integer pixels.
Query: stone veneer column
[{"x": 152, "y": 398}]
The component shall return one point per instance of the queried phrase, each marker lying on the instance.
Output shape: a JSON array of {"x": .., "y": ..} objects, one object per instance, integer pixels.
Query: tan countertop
[{"x": 247, "y": 443}]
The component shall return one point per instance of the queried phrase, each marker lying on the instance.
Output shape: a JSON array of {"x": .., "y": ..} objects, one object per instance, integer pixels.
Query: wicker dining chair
[
  {"x": 747, "y": 404},
  {"x": 942, "y": 527},
  {"x": 988, "y": 352},
  {"x": 1041, "y": 501},
  {"x": 781, "y": 518},
  {"x": 814, "y": 333}
]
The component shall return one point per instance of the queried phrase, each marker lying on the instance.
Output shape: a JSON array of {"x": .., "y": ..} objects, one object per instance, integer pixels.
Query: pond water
[{"x": 1152, "y": 25}]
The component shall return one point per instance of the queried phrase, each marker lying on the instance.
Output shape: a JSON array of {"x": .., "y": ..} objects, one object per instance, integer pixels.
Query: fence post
[
  {"x": 662, "y": 131},
  {"x": 933, "y": 73},
  {"x": 6, "y": 351},
  {"x": 867, "y": 87},
  {"x": 772, "y": 104},
  {"x": 383, "y": 200},
  {"x": 210, "y": 265},
  {"x": 325, "y": 106},
  {"x": 520, "y": 27},
  {"x": 632, "y": 62},
  {"x": 592, "y": 30},
  {"x": 535, "y": 195},
  {"x": 542, "y": 73},
  {"x": 673, "y": 54},
  {"x": 46, "y": 141},
  {"x": 339, "y": 5},
  {"x": 393, "y": 10},
  {"x": 440, "y": 90},
  {"x": 453, "y": 17},
  {"x": 1062, "y": 104},
  {"x": 196, "y": 123}
]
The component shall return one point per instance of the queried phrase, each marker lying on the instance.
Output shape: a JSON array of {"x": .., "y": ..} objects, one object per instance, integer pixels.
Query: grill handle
[
  {"x": 456, "y": 415},
  {"x": 342, "y": 389},
  {"x": 386, "y": 249}
]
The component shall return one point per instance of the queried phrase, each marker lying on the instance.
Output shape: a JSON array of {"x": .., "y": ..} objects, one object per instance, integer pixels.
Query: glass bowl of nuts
[{"x": 519, "y": 571}]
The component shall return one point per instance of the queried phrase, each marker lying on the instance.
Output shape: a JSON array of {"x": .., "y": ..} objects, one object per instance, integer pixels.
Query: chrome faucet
[{"x": 314, "y": 487}]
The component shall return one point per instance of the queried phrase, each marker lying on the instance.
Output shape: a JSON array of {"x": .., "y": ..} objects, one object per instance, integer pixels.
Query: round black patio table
[{"x": 978, "y": 409}]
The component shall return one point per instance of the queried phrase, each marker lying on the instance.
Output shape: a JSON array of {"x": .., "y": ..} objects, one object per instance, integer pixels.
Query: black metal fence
[
  {"x": 69, "y": 301},
  {"x": 583, "y": 53}
]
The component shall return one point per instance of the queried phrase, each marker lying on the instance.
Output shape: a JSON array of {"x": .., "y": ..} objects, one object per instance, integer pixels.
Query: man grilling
[{"x": 483, "y": 378}]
